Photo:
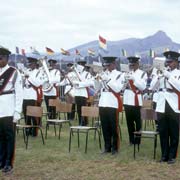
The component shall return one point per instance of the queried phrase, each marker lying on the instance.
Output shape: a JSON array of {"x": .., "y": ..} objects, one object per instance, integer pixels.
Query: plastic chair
[{"x": 92, "y": 112}]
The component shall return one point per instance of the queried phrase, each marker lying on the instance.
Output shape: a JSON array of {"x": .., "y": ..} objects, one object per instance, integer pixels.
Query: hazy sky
[{"x": 68, "y": 23}]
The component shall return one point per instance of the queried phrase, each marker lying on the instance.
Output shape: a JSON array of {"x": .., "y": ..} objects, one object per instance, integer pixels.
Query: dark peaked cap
[
  {"x": 32, "y": 60},
  {"x": 4, "y": 51},
  {"x": 133, "y": 59},
  {"x": 108, "y": 60},
  {"x": 53, "y": 60},
  {"x": 171, "y": 55}
]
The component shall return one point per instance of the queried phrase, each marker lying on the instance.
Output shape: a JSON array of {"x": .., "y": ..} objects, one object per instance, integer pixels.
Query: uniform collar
[{"x": 3, "y": 69}]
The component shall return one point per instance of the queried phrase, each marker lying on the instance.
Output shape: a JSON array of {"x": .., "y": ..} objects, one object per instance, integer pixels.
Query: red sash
[
  {"x": 136, "y": 92},
  {"x": 38, "y": 91},
  {"x": 4, "y": 78},
  {"x": 117, "y": 95}
]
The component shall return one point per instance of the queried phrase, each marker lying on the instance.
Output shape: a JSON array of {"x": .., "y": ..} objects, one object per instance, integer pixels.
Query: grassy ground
[{"x": 52, "y": 161}]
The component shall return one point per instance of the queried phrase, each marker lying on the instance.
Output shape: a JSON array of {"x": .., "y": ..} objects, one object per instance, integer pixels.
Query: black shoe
[
  {"x": 163, "y": 159},
  {"x": 106, "y": 151},
  {"x": 171, "y": 161},
  {"x": 7, "y": 169},
  {"x": 114, "y": 152},
  {"x": 1, "y": 166}
]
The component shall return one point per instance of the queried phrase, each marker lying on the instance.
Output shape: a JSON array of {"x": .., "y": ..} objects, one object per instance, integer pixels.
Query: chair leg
[
  {"x": 55, "y": 129},
  {"x": 86, "y": 141},
  {"x": 46, "y": 130},
  {"x": 78, "y": 138},
  {"x": 27, "y": 136},
  {"x": 134, "y": 150},
  {"x": 60, "y": 126},
  {"x": 42, "y": 135},
  {"x": 99, "y": 139},
  {"x": 155, "y": 145},
  {"x": 24, "y": 136},
  {"x": 120, "y": 133},
  {"x": 70, "y": 139}
]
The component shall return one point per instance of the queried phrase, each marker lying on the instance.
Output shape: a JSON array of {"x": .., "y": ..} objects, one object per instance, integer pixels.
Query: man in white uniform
[
  {"x": 11, "y": 105},
  {"x": 168, "y": 107}
]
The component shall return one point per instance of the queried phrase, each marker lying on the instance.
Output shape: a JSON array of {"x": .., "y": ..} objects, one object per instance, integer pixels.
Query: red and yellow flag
[
  {"x": 49, "y": 51},
  {"x": 102, "y": 43},
  {"x": 65, "y": 52},
  {"x": 91, "y": 52}
]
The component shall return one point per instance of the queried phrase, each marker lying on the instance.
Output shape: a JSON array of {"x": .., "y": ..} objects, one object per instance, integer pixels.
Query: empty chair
[
  {"x": 61, "y": 108},
  {"x": 146, "y": 115},
  {"x": 92, "y": 113},
  {"x": 32, "y": 111}
]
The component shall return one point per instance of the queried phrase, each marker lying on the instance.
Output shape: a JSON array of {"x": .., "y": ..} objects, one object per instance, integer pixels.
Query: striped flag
[
  {"x": 78, "y": 53},
  {"x": 23, "y": 52},
  {"x": 102, "y": 43},
  {"x": 34, "y": 51},
  {"x": 91, "y": 52},
  {"x": 49, "y": 51},
  {"x": 151, "y": 53},
  {"x": 17, "y": 50},
  {"x": 65, "y": 52},
  {"x": 124, "y": 53}
]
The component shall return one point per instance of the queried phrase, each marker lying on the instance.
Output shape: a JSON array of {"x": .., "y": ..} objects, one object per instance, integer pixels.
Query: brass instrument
[{"x": 47, "y": 86}]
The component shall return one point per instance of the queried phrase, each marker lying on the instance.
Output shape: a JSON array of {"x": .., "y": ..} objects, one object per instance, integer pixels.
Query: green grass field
[{"x": 53, "y": 161}]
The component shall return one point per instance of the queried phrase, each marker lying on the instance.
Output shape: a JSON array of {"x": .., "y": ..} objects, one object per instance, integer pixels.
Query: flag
[
  {"x": 23, "y": 52},
  {"x": 91, "y": 52},
  {"x": 102, "y": 43},
  {"x": 151, "y": 53},
  {"x": 49, "y": 51},
  {"x": 17, "y": 50},
  {"x": 34, "y": 51},
  {"x": 65, "y": 52},
  {"x": 124, "y": 53},
  {"x": 78, "y": 53}
]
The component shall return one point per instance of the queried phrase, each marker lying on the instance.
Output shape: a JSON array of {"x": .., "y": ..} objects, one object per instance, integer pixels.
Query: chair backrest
[
  {"x": 63, "y": 107},
  {"x": 90, "y": 111},
  {"x": 147, "y": 114},
  {"x": 147, "y": 104},
  {"x": 53, "y": 102},
  {"x": 34, "y": 111}
]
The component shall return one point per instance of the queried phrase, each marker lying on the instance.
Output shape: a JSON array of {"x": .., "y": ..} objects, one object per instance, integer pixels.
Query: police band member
[
  {"x": 109, "y": 103},
  {"x": 135, "y": 83},
  {"x": 84, "y": 80},
  {"x": 32, "y": 91},
  {"x": 51, "y": 90},
  {"x": 168, "y": 107},
  {"x": 11, "y": 105},
  {"x": 67, "y": 81}
]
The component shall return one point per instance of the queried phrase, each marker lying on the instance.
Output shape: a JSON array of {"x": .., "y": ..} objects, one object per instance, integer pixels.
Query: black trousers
[
  {"x": 81, "y": 101},
  {"x": 169, "y": 132},
  {"x": 133, "y": 118},
  {"x": 7, "y": 141},
  {"x": 29, "y": 120},
  {"x": 109, "y": 123},
  {"x": 51, "y": 110}
]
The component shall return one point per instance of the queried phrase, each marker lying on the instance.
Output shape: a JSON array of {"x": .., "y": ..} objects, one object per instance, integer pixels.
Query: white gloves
[
  {"x": 16, "y": 117},
  {"x": 167, "y": 74}
]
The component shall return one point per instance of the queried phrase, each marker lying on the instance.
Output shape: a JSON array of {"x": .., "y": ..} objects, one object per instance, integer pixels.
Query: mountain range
[{"x": 158, "y": 42}]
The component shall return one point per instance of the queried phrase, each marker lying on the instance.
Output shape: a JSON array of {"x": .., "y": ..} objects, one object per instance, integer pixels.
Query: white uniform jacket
[
  {"x": 54, "y": 79},
  {"x": 164, "y": 93},
  {"x": 11, "y": 103},
  {"x": 115, "y": 82},
  {"x": 139, "y": 81},
  {"x": 80, "y": 87},
  {"x": 35, "y": 78}
]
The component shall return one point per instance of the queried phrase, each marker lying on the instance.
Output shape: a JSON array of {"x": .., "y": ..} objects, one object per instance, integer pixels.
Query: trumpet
[{"x": 160, "y": 72}]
